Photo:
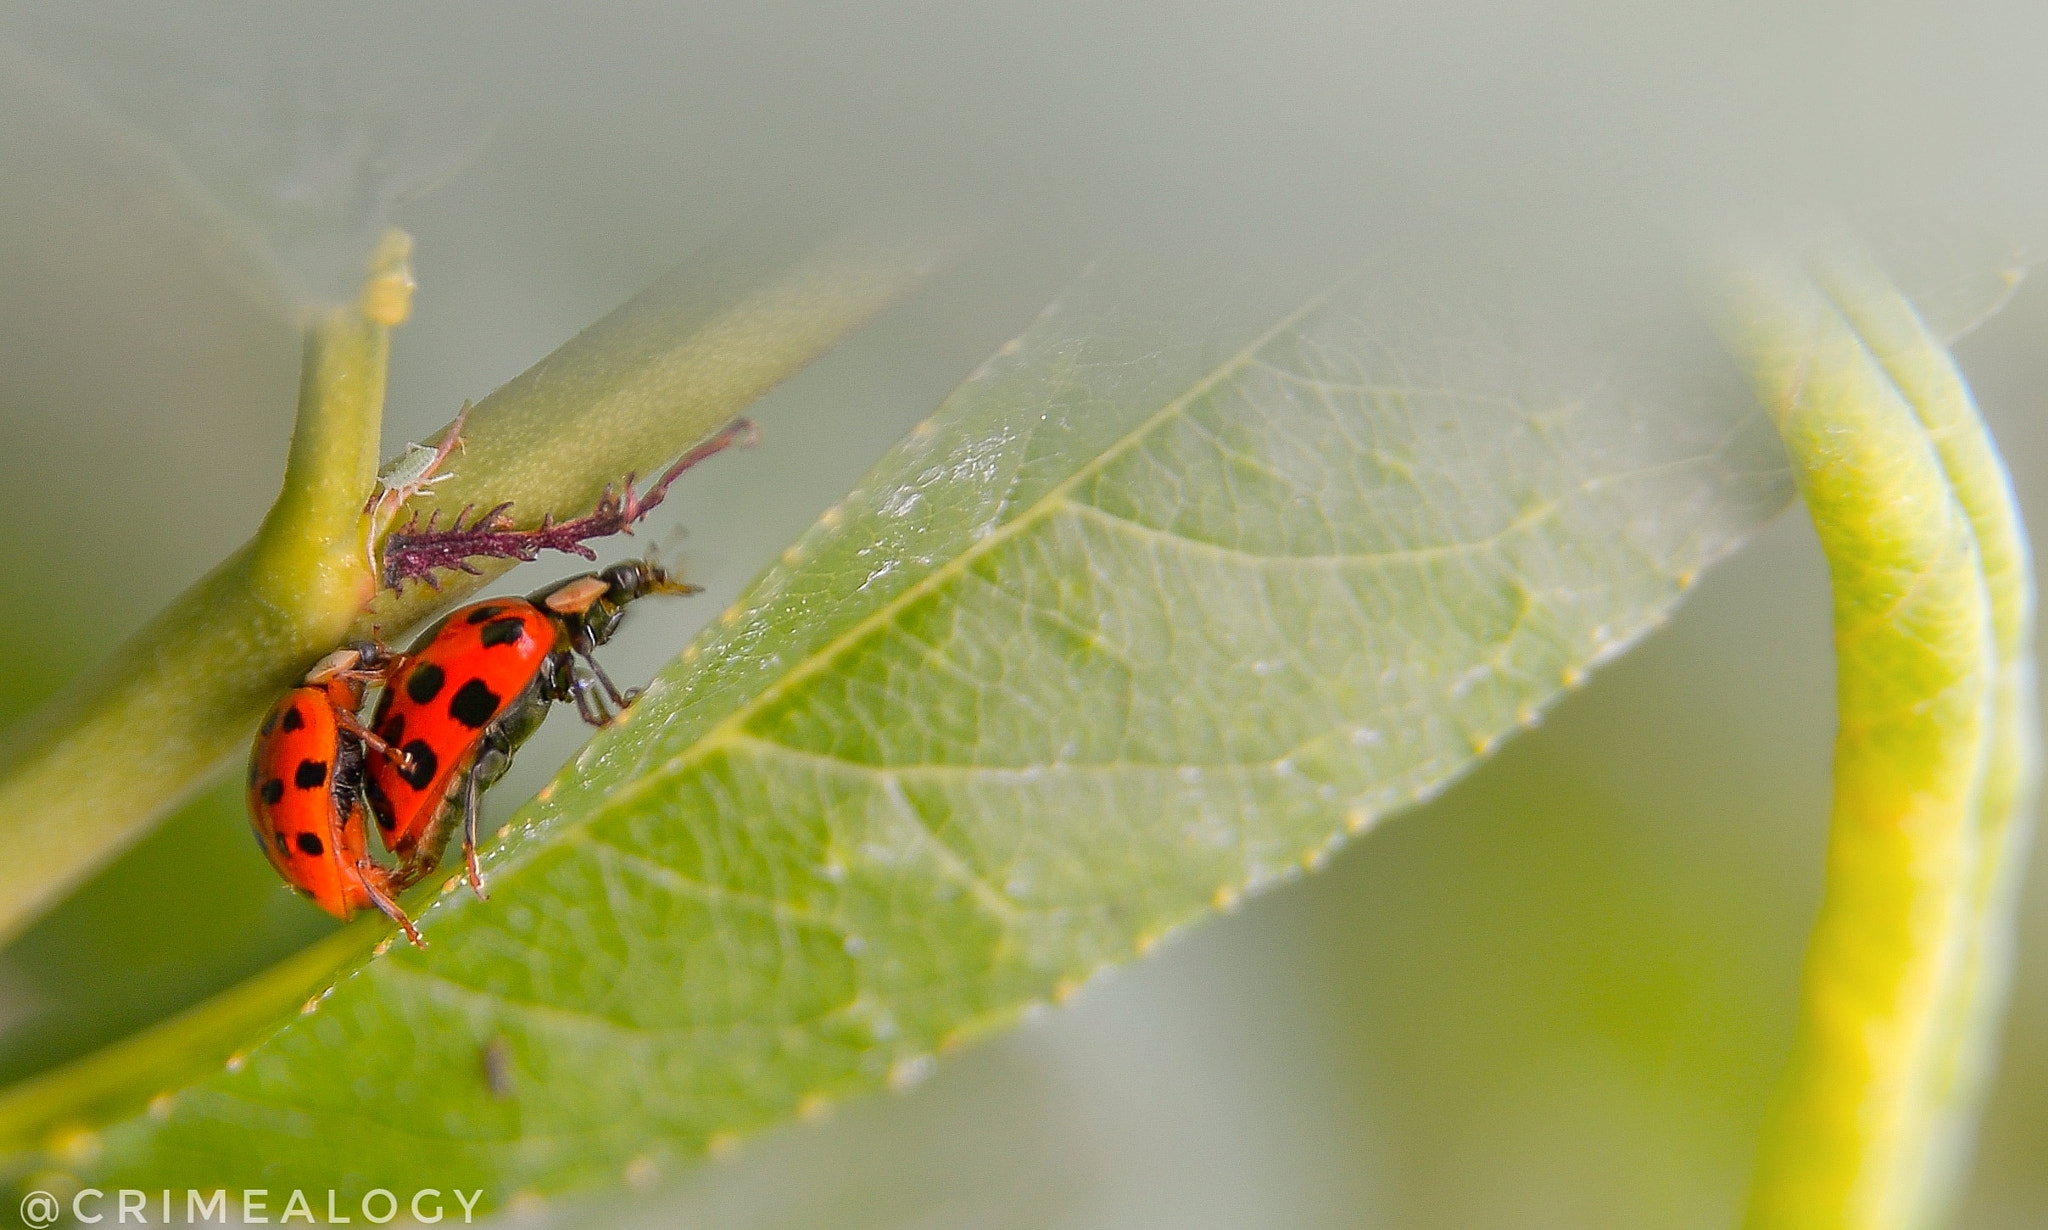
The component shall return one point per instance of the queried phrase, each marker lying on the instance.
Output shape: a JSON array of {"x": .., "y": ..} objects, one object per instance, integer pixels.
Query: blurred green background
[{"x": 1557, "y": 996}]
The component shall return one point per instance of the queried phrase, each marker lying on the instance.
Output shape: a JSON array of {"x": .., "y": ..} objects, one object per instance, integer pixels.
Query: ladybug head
[
  {"x": 344, "y": 672},
  {"x": 593, "y": 602}
]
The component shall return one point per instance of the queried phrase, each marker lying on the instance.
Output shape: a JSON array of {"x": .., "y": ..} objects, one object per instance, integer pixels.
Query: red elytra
[
  {"x": 305, "y": 789},
  {"x": 471, "y": 690},
  {"x": 313, "y": 833}
]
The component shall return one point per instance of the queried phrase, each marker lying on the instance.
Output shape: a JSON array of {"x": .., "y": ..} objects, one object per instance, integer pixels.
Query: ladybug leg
[
  {"x": 587, "y": 706},
  {"x": 565, "y": 682},
  {"x": 368, "y": 874},
  {"x": 349, "y": 722},
  {"x": 472, "y": 791},
  {"x": 619, "y": 699},
  {"x": 491, "y": 762}
]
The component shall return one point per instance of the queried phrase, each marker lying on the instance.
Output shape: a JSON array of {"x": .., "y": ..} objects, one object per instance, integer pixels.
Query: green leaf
[{"x": 1172, "y": 595}]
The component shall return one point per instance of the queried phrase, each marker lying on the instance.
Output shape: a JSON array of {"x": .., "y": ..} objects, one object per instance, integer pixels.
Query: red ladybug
[
  {"x": 306, "y": 788},
  {"x": 471, "y": 690}
]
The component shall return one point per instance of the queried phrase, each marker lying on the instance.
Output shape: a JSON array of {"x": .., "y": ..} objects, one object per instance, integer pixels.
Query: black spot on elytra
[
  {"x": 424, "y": 764},
  {"x": 293, "y": 719},
  {"x": 309, "y": 843},
  {"x": 483, "y": 613},
  {"x": 474, "y": 704},
  {"x": 310, "y": 774},
  {"x": 269, "y": 723},
  {"x": 508, "y": 631},
  {"x": 393, "y": 729},
  {"x": 380, "y": 806},
  {"x": 425, "y": 683},
  {"x": 273, "y": 790},
  {"x": 282, "y": 846}
]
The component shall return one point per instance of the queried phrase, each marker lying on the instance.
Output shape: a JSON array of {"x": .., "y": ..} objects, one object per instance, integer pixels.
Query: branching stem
[{"x": 84, "y": 778}]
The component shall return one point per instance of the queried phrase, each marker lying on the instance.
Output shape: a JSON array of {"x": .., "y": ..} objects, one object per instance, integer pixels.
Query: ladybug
[
  {"x": 306, "y": 788},
  {"x": 470, "y": 691}
]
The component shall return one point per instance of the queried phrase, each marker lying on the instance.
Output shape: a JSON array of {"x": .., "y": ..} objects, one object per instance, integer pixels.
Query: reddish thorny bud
[{"x": 414, "y": 553}]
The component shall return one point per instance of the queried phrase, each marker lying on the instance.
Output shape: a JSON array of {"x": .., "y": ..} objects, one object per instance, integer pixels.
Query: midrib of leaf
[{"x": 731, "y": 730}]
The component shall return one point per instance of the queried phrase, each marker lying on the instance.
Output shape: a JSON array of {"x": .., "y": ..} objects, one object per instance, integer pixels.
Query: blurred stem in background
[{"x": 1935, "y": 758}]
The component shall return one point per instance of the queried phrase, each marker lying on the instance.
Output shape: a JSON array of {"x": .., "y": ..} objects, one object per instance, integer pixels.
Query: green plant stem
[
  {"x": 92, "y": 772},
  {"x": 1934, "y": 756},
  {"x": 658, "y": 375},
  {"x": 89, "y": 775}
]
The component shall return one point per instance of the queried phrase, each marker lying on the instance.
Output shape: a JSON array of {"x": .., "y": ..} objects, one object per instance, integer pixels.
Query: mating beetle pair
[{"x": 455, "y": 707}]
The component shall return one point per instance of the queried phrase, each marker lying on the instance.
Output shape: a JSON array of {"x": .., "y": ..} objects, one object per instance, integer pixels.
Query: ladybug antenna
[{"x": 660, "y": 578}]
